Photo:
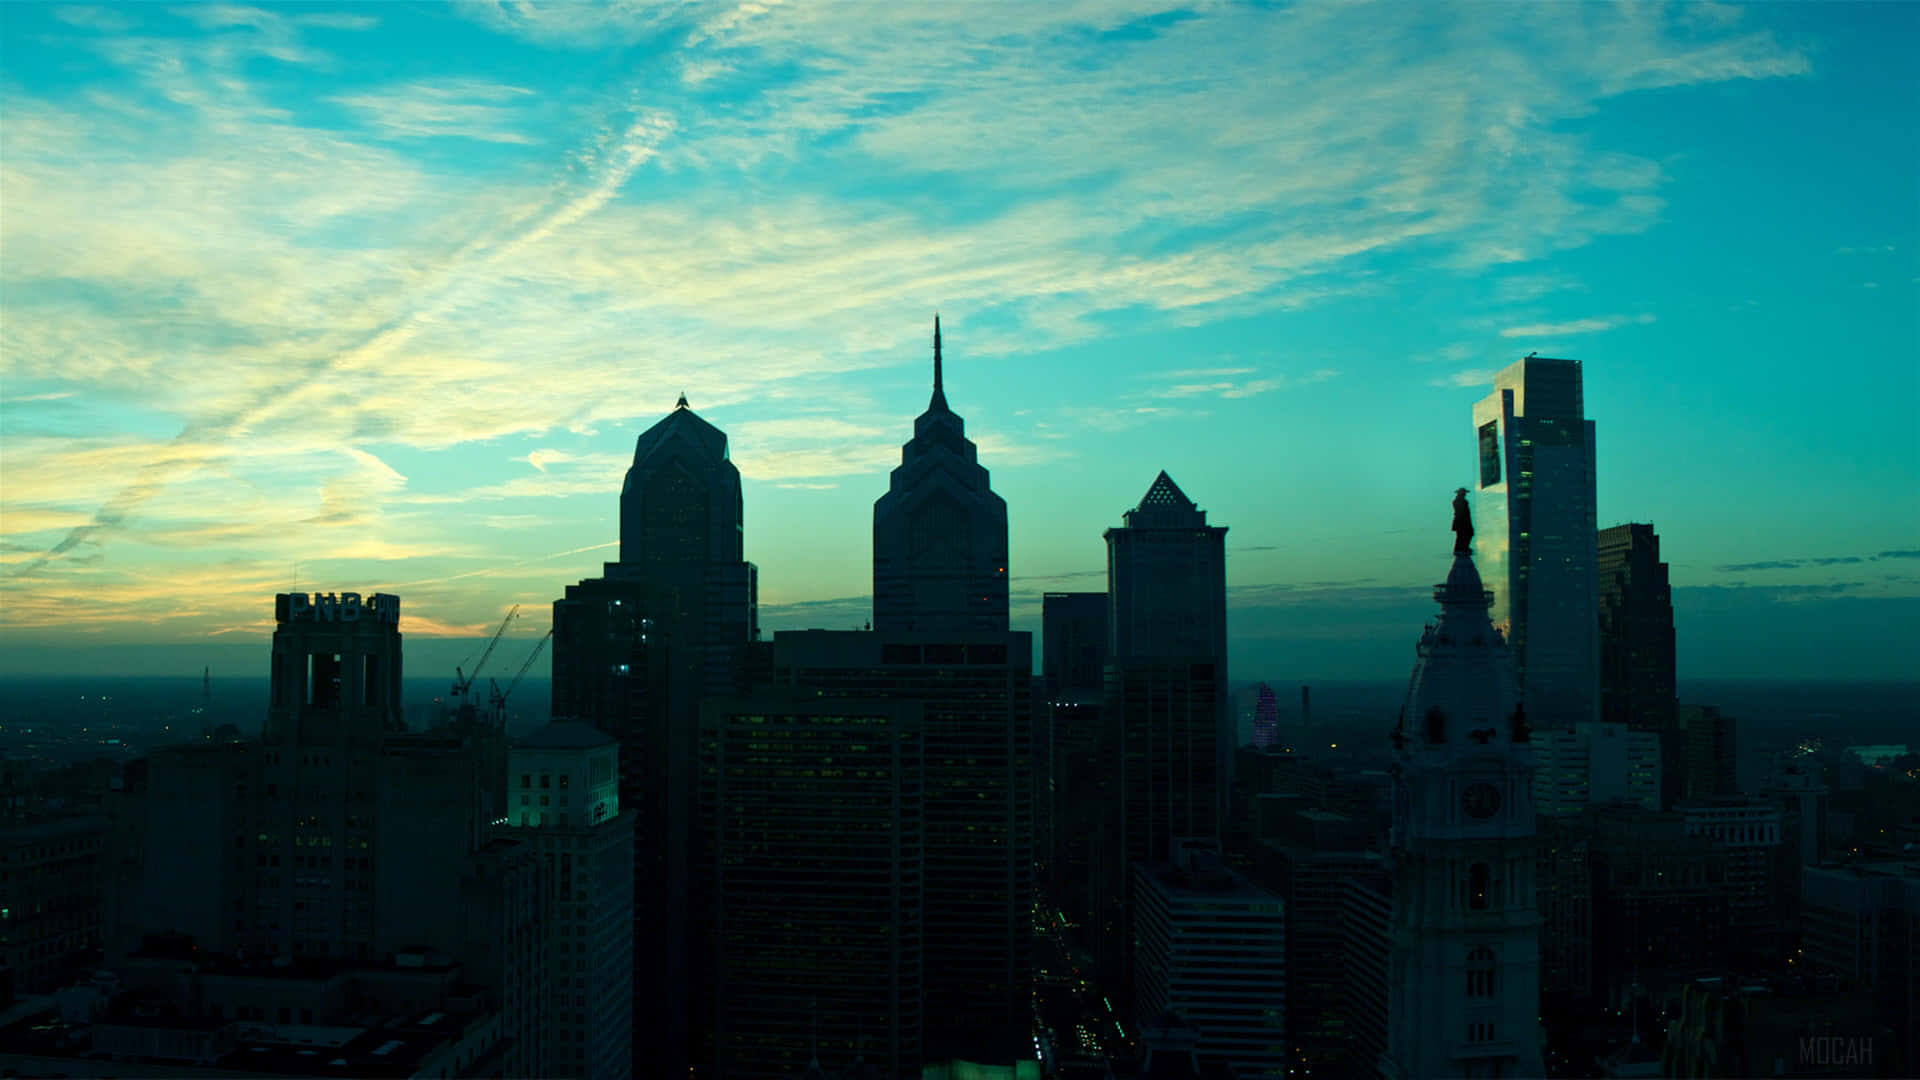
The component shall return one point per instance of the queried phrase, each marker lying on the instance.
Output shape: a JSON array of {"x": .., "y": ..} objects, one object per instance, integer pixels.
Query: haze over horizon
[{"x": 294, "y": 301}]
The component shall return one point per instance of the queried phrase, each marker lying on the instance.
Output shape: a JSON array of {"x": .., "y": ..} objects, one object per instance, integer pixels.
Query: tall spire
[{"x": 939, "y": 388}]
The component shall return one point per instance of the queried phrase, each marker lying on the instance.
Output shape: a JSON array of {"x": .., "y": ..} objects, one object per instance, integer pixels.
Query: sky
[{"x": 377, "y": 297}]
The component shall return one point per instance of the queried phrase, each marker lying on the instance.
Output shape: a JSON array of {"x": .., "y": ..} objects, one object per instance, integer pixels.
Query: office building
[
  {"x": 564, "y": 805},
  {"x": 1212, "y": 949},
  {"x": 1705, "y": 741},
  {"x": 1307, "y": 856},
  {"x": 1862, "y": 922},
  {"x": 634, "y": 653},
  {"x": 1797, "y": 786},
  {"x": 1463, "y": 982},
  {"x": 1637, "y": 666},
  {"x": 1593, "y": 764},
  {"x": 1534, "y": 502},
  {"x": 974, "y": 691},
  {"x": 1763, "y": 870},
  {"x": 52, "y": 897},
  {"x": 815, "y": 897},
  {"x": 1167, "y": 735},
  {"x": 1266, "y": 717},
  {"x": 1366, "y": 914},
  {"x": 939, "y": 533},
  {"x": 1073, "y": 785},
  {"x": 1660, "y": 903}
]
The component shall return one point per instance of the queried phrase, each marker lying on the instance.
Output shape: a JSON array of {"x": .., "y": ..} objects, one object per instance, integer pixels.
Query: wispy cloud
[
  {"x": 456, "y": 108},
  {"x": 1576, "y": 326}
]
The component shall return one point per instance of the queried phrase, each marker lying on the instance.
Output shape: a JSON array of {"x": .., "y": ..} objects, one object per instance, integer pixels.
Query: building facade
[
  {"x": 1592, "y": 765},
  {"x": 1534, "y": 501},
  {"x": 564, "y": 806},
  {"x": 1212, "y": 949},
  {"x": 974, "y": 691},
  {"x": 1637, "y": 659},
  {"x": 816, "y": 890}
]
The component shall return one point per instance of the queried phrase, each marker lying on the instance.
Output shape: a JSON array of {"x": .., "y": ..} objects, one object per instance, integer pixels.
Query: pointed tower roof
[
  {"x": 1165, "y": 506},
  {"x": 939, "y": 402},
  {"x": 681, "y": 423}
]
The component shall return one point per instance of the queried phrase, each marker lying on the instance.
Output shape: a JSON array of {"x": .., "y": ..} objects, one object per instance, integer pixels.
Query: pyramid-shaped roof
[{"x": 1165, "y": 494}]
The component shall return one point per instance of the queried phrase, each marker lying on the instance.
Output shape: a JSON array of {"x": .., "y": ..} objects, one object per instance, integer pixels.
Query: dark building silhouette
[
  {"x": 336, "y": 853},
  {"x": 1637, "y": 667},
  {"x": 1073, "y": 658},
  {"x": 974, "y": 691},
  {"x": 1266, "y": 716},
  {"x": 1704, "y": 741},
  {"x": 1166, "y": 740},
  {"x": 634, "y": 653},
  {"x": 814, "y": 902},
  {"x": 939, "y": 533}
]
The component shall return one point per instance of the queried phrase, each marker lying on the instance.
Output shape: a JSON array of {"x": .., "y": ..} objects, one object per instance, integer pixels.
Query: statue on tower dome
[{"x": 1462, "y": 524}]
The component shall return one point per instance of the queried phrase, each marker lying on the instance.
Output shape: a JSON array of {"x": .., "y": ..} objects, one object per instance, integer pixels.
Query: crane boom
[
  {"x": 499, "y": 695},
  {"x": 464, "y": 681}
]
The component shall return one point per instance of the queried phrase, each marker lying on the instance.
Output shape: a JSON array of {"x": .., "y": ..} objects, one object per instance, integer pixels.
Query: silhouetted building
[
  {"x": 1705, "y": 739},
  {"x": 816, "y": 889},
  {"x": 1637, "y": 667},
  {"x": 634, "y": 653},
  {"x": 1592, "y": 764},
  {"x": 1862, "y": 922},
  {"x": 1763, "y": 871},
  {"x": 1535, "y": 508},
  {"x": 1212, "y": 948},
  {"x": 1307, "y": 856},
  {"x": 341, "y": 841},
  {"x": 1167, "y": 730},
  {"x": 1798, "y": 787},
  {"x": 939, "y": 533},
  {"x": 1366, "y": 916},
  {"x": 1660, "y": 903},
  {"x": 564, "y": 805},
  {"x": 1073, "y": 659},
  {"x": 974, "y": 690},
  {"x": 1564, "y": 878},
  {"x": 1463, "y": 983},
  {"x": 1266, "y": 717},
  {"x": 52, "y": 897}
]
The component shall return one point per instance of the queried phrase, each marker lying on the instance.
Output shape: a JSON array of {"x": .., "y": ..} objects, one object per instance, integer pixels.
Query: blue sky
[{"x": 379, "y": 295}]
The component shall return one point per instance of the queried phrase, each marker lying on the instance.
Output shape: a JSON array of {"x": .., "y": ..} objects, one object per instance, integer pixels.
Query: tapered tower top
[{"x": 939, "y": 402}]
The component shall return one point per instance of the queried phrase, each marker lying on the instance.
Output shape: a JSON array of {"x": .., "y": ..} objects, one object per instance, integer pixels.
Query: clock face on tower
[{"x": 1480, "y": 800}]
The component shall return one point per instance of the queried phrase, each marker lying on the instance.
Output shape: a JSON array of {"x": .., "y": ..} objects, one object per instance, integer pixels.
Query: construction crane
[
  {"x": 499, "y": 696},
  {"x": 462, "y": 682}
]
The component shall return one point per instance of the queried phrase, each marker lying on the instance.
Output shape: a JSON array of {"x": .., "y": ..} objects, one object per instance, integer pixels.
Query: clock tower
[{"x": 1463, "y": 979}]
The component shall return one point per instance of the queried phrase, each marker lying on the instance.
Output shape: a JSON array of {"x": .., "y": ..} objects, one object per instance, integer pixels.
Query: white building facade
[
  {"x": 563, "y": 799},
  {"x": 1592, "y": 765}
]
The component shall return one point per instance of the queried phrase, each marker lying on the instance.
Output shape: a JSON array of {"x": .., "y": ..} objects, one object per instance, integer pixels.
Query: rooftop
[{"x": 564, "y": 735}]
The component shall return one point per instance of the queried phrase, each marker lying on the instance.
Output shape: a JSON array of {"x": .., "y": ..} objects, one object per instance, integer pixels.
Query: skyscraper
[
  {"x": 564, "y": 803},
  {"x": 1464, "y": 964},
  {"x": 816, "y": 831},
  {"x": 1073, "y": 658},
  {"x": 939, "y": 533},
  {"x": 974, "y": 691},
  {"x": 634, "y": 652},
  {"x": 1266, "y": 718},
  {"x": 1166, "y": 734},
  {"x": 1637, "y": 667},
  {"x": 1535, "y": 505}
]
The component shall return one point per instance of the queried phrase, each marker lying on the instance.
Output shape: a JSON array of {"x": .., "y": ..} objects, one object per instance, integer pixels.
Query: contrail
[
  {"x": 636, "y": 144},
  {"x": 495, "y": 569}
]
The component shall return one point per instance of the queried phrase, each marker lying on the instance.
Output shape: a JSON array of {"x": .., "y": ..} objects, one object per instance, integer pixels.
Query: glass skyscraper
[{"x": 1534, "y": 504}]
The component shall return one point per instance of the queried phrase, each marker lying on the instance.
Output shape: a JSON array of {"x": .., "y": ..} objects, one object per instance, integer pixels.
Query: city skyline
[{"x": 373, "y": 321}]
